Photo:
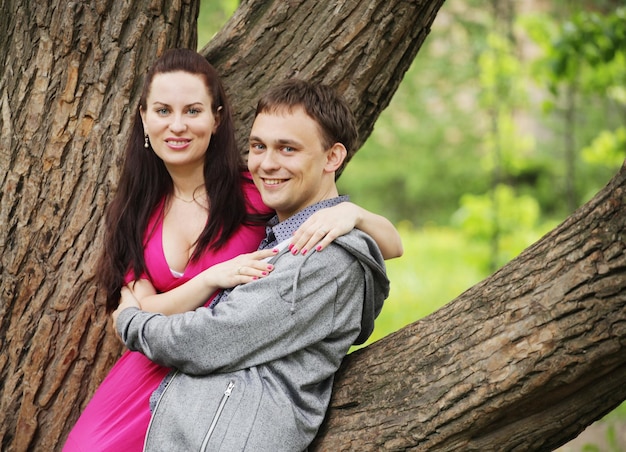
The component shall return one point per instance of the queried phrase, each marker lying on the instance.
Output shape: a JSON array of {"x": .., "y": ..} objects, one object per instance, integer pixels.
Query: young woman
[{"x": 185, "y": 207}]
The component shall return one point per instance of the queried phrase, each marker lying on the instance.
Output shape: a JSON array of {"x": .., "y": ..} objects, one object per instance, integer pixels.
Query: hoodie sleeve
[{"x": 306, "y": 299}]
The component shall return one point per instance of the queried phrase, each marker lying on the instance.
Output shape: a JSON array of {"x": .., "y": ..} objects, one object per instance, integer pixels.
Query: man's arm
[{"x": 258, "y": 322}]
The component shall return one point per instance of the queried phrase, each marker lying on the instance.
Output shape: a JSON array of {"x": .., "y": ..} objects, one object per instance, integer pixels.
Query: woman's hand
[
  {"x": 239, "y": 270},
  {"x": 141, "y": 288},
  {"x": 127, "y": 300},
  {"x": 195, "y": 292},
  {"x": 325, "y": 225}
]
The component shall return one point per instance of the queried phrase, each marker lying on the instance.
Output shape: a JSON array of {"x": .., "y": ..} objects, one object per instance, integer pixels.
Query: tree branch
[{"x": 524, "y": 360}]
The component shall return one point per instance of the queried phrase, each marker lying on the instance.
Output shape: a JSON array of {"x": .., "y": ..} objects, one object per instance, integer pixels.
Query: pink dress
[{"x": 117, "y": 417}]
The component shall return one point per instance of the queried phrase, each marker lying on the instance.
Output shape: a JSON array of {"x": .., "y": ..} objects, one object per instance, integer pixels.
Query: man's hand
[{"x": 128, "y": 300}]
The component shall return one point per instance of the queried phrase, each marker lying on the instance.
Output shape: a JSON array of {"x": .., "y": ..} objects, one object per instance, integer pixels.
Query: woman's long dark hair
[{"x": 145, "y": 182}]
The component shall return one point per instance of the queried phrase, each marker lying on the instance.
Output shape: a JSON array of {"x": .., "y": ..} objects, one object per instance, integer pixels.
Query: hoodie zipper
[{"x": 220, "y": 408}]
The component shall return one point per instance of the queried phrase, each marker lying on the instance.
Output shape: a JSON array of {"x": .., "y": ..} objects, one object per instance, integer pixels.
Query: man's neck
[
  {"x": 330, "y": 193},
  {"x": 285, "y": 229}
]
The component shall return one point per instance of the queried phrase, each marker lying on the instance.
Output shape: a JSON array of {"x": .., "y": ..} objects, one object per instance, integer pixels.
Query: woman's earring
[{"x": 146, "y": 143}]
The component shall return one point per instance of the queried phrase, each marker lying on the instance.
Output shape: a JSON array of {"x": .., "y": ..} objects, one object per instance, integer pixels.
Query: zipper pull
[{"x": 229, "y": 389}]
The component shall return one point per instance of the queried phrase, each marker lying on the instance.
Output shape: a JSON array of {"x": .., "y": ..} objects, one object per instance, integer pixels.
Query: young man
[{"x": 255, "y": 371}]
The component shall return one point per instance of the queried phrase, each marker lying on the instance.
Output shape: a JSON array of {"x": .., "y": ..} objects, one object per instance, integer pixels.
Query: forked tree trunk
[
  {"x": 70, "y": 77},
  {"x": 361, "y": 48}
]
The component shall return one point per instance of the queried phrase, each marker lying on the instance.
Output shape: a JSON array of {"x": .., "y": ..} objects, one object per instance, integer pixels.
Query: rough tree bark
[{"x": 70, "y": 77}]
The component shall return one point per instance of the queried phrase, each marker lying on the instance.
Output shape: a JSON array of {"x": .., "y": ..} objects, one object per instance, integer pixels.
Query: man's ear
[{"x": 335, "y": 157}]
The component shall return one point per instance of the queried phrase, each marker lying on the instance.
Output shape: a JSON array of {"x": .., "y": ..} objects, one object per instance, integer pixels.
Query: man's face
[{"x": 288, "y": 163}]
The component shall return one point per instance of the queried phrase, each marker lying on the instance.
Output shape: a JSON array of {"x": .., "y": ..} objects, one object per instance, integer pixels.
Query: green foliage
[
  {"x": 607, "y": 149},
  {"x": 501, "y": 73},
  {"x": 471, "y": 112},
  {"x": 583, "y": 63},
  {"x": 594, "y": 40},
  {"x": 611, "y": 438},
  {"x": 588, "y": 50},
  {"x": 213, "y": 15},
  {"x": 512, "y": 221}
]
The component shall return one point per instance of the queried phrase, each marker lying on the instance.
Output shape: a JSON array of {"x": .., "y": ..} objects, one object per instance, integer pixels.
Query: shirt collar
[{"x": 285, "y": 229}]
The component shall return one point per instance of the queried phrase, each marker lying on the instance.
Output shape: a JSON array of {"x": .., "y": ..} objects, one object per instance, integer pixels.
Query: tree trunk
[
  {"x": 67, "y": 90},
  {"x": 525, "y": 360},
  {"x": 69, "y": 86}
]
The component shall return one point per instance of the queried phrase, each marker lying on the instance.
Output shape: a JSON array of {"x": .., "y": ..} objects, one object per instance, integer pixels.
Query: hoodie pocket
[{"x": 218, "y": 414}]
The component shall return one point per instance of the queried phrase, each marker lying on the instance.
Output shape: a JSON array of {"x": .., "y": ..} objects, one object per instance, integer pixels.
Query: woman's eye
[
  {"x": 162, "y": 111},
  {"x": 256, "y": 146},
  {"x": 193, "y": 111},
  {"x": 288, "y": 149}
]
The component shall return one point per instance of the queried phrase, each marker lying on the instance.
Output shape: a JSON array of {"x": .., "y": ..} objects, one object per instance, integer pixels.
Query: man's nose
[{"x": 269, "y": 160}]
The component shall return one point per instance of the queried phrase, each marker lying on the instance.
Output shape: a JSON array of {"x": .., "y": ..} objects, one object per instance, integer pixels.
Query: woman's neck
[{"x": 188, "y": 187}]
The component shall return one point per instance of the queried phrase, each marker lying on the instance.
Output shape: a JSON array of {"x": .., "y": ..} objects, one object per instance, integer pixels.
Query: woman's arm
[
  {"x": 326, "y": 225},
  {"x": 318, "y": 231},
  {"x": 195, "y": 292}
]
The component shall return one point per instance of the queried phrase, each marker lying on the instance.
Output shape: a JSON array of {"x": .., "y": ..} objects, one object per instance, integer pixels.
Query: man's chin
[{"x": 270, "y": 200}]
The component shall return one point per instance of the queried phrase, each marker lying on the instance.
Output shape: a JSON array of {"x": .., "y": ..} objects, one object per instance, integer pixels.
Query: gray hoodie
[{"x": 255, "y": 373}]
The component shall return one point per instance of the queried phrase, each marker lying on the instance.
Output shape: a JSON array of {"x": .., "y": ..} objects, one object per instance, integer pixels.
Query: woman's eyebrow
[{"x": 165, "y": 104}]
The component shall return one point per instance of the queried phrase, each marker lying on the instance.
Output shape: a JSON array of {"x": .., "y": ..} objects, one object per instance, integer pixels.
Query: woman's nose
[{"x": 178, "y": 124}]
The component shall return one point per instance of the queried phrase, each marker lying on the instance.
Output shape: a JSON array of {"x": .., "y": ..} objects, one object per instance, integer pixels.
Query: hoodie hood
[
  {"x": 366, "y": 251},
  {"x": 363, "y": 247}
]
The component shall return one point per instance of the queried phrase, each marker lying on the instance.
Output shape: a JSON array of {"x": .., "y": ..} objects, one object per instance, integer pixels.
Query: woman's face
[{"x": 179, "y": 119}]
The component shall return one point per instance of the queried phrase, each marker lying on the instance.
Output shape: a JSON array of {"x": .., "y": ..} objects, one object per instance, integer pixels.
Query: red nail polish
[
  {"x": 319, "y": 248},
  {"x": 264, "y": 273},
  {"x": 294, "y": 250},
  {"x": 304, "y": 252},
  {"x": 290, "y": 246}
]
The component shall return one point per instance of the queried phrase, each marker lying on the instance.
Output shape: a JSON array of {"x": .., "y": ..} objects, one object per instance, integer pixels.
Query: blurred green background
[{"x": 512, "y": 115}]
